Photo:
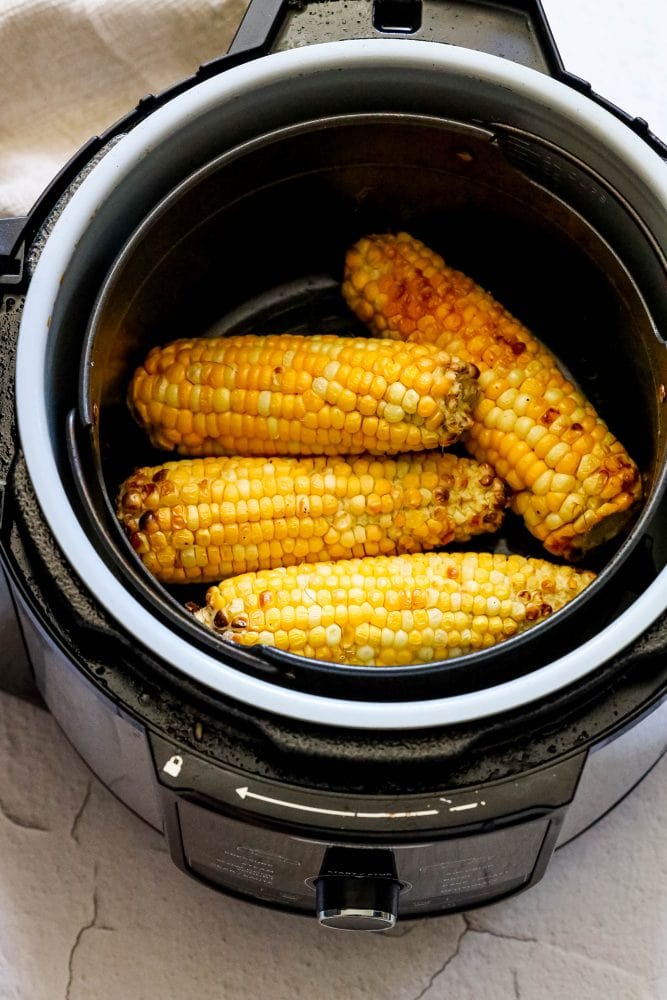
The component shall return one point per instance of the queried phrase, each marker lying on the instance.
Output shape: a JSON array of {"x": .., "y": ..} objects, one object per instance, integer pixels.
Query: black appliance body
[{"x": 226, "y": 204}]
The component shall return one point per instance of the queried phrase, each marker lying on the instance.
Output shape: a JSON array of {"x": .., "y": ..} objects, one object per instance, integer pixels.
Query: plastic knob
[{"x": 357, "y": 890}]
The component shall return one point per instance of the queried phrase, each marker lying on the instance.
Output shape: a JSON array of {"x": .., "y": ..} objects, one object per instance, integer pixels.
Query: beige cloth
[{"x": 70, "y": 68}]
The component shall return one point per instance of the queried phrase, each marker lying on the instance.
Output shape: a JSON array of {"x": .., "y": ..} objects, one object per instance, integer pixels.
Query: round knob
[
  {"x": 357, "y": 889},
  {"x": 357, "y": 902}
]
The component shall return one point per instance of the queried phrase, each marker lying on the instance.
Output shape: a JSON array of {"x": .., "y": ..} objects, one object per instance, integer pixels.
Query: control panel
[
  {"x": 298, "y": 872},
  {"x": 360, "y": 861}
]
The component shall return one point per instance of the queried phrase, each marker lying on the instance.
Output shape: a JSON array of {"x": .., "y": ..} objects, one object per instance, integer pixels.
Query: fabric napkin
[{"x": 70, "y": 68}]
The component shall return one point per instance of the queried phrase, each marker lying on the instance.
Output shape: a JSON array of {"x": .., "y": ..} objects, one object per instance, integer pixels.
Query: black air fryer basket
[{"x": 254, "y": 241}]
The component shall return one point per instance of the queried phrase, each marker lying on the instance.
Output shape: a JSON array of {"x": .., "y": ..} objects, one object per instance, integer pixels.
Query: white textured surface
[{"x": 91, "y": 907}]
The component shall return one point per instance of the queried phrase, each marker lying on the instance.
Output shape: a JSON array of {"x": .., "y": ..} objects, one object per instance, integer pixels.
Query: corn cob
[
  {"x": 289, "y": 395},
  {"x": 391, "y": 611},
  {"x": 201, "y": 519},
  {"x": 575, "y": 483}
]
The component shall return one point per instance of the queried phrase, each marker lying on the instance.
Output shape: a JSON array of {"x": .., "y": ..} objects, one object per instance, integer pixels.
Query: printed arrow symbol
[{"x": 244, "y": 792}]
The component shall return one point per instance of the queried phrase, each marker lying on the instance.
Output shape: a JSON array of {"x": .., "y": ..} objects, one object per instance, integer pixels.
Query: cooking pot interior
[{"x": 254, "y": 241}]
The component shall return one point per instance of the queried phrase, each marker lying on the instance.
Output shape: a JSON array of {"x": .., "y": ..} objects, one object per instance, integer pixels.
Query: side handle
[{"x": 12, "y": 251}]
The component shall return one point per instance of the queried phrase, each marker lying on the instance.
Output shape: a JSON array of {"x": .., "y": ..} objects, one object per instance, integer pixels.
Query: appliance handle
[
  {"x": 520, "y": 27},
  {"x": 257, "y": 30},
  {"x": 12, "y": 250},
  {"x": 268, "y": 25}
]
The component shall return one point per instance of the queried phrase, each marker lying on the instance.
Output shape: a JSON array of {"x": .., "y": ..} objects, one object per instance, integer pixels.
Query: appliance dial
[{"x": 357, "y": 890}]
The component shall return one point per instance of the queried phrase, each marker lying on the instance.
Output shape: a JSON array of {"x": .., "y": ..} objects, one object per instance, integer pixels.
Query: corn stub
[
  {"x": 391, "y": 611},
  {"x": 295, "y": 395},
  {"x": 198, "y": 520},
  {"x": 575, "y": 483}
]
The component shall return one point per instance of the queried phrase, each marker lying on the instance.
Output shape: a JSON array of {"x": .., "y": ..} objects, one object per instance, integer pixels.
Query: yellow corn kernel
[
  {"x": 524, "y": 398},
  {"x": 440, "y": 618},
  {"x": 307, "y": 509},
  {"x": 306, "y": 408}
]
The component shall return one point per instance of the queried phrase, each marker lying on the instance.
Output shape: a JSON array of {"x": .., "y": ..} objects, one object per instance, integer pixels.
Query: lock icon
[{"x": 173, "y": 766}]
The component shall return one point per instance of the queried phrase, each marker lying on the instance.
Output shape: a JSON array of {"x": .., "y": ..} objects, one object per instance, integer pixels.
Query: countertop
[{"x": 91, "y": 907}]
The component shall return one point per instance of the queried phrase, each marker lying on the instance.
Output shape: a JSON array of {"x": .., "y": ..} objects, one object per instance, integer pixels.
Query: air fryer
[{"x": 357, "y": 794}]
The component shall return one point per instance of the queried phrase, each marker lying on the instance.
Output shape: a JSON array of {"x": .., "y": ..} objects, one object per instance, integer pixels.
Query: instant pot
[{"x": 225, "y": 205}]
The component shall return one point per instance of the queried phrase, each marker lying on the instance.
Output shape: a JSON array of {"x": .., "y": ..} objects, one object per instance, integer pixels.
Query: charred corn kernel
[
  {"x": 432, "y": 500},
  {"x": 530, "y": 423},
  {"x": 453, "y": 603},
  {"x": 329, "y": 396}
]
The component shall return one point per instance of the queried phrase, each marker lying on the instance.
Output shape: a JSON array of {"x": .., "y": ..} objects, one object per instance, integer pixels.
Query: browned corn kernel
[
  {"x": 391, "y": 611},
  {"x": 289, "y": 395},
  {"x": 198, "y": 520},
  {"x": 575, "y": 483}
]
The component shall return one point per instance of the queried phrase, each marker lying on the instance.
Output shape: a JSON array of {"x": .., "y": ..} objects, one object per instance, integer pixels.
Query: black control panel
[
  {"x": 408, "y": 856},
  {"x": 288, "y": 870}
]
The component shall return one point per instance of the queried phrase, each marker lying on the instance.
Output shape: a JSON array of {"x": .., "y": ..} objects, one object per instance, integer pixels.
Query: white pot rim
[{"x": 34, "y": 423}]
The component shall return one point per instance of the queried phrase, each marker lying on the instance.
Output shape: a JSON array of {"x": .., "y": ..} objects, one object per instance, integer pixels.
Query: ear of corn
[
  {"x": 391, "y": 611},
  {"x": 575, "y": 483},
  {"x": 198, "y": 520},
  {"x": 289, "y": 395}
]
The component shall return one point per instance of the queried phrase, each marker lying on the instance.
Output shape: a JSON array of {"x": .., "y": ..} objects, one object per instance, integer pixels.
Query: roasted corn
[
  {"x": 293, "y": 395},
  {"x": 391, "y": 611},
  {"x": 575, "y": 483},
  {"x": 198, "y": 520}
]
